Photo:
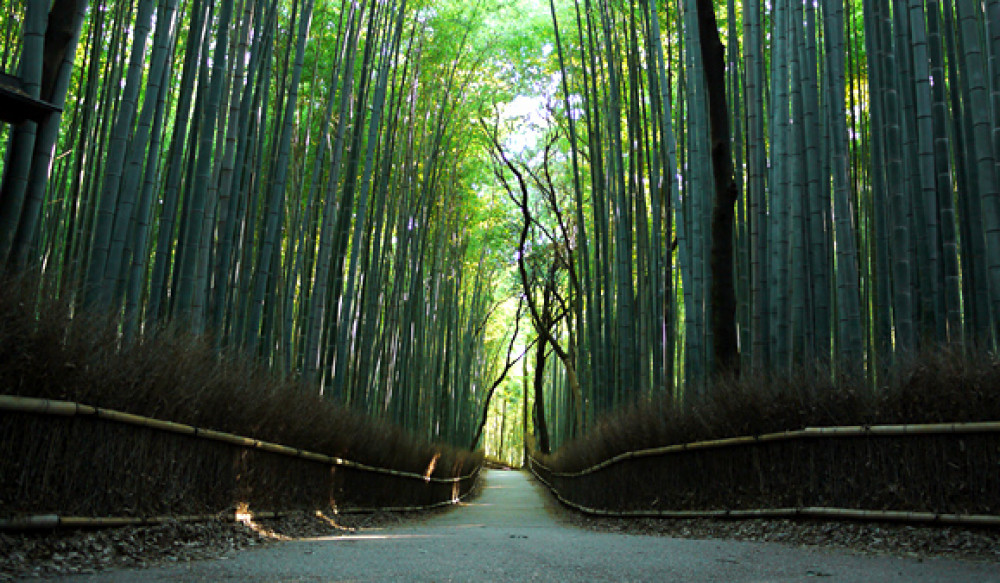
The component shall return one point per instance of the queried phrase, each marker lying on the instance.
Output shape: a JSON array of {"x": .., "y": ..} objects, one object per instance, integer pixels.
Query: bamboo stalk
[
  {"x": 48, "y": 521},
  {"x": 29, "y": 522},
  {"x": 131, "y": 419},
  {"x": 19, "y": 404},
  {"x": 107, "y": 521},
  {"x": 901, "y": 516},
  {"x": 280, "y": 449},
  {"x": 226, "y": 437}
]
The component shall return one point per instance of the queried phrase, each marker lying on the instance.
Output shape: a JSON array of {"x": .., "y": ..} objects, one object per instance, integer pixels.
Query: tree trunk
[
  {"x": 538, "y": 386},
  {"x": 723, "y": 296}
]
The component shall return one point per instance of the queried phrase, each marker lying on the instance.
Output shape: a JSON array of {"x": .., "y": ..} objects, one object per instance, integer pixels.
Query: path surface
[{"x": 511, "y": 533}]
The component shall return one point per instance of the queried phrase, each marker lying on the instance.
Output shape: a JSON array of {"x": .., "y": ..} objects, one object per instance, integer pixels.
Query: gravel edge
[
  {"x": 84, "y": 551},
  {"x": 863, "y": 538},
  {"x": 49, "y": 553}
]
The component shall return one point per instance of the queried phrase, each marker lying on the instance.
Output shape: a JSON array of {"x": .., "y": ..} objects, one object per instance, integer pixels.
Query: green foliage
[{"x": 349, "y": 219}]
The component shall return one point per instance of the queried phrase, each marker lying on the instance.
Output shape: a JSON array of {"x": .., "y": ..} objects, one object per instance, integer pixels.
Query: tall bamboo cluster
[
  {"x": 864, "y": 145},
  {"x": 624, "y": 185},
  {"x": 595, "y": 248},
  {"x": 299, "y": 179},
  {"x": 289, "y": 177}
]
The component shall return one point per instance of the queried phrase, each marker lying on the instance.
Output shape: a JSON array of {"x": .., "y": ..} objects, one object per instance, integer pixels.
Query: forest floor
[{"x": 216, "y": 548}]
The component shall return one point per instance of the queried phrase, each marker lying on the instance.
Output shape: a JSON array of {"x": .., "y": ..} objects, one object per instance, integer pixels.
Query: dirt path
[{"x": 511, "y": 533}]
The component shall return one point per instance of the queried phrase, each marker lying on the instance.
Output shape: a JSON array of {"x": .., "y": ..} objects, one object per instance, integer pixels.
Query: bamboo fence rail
[
  {"x": 806, "y": 433},
  {"x": 50, "y": 521},
  {"x": 12, "y": 403}
]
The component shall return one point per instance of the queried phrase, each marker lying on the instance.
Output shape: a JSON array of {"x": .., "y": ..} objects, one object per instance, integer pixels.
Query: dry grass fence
[
  {"x": 137, "y": 466},
  {"x": 93, "y": 465},
  {"x": 948, "y": 473},
  {"x": 853, "y": 452}
]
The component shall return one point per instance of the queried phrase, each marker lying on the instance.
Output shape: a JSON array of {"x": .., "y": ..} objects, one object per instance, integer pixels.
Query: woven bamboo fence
[
  {"x": 67, "y": 464},
  {"x": 945, "y": 473}
]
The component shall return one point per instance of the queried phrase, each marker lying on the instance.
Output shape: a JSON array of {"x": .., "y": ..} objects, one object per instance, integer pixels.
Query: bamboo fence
[
  {"x": 50, "y": 407},
  {"x": 802, "y": 512},
  {"x": 18, "y": 404},
  {"x": 806, "y": 433},
  {"x": 51, "y": 521},
  {"x": 976, "y": 520}
]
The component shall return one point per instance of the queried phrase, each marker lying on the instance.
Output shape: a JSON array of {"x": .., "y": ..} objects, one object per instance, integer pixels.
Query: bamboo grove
[
  {"x": 291, "y": 178},
  {"x": 864, "y": 142},
  {"x": 318, "y": 183}
]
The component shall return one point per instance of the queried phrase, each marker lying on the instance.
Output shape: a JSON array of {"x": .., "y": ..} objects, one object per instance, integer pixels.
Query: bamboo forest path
[{"x": 512, "y": 532}]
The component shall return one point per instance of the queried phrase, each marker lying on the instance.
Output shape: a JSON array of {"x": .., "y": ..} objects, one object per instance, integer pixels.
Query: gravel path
[{"x": 513, "y": 532}]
